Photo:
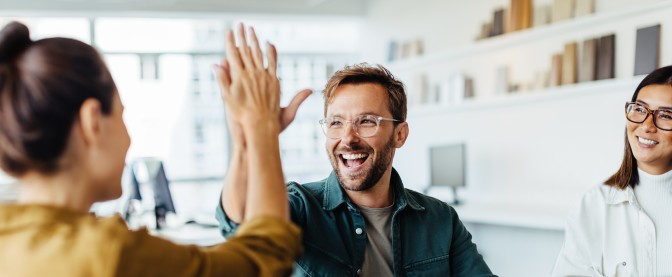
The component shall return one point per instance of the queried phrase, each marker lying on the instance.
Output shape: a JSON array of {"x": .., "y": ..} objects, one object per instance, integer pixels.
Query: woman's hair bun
[{"x": 14, "y": 39}]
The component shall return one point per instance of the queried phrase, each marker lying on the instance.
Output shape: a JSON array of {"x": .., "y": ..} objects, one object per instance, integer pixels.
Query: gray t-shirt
[{"x": 378, "y": 254}]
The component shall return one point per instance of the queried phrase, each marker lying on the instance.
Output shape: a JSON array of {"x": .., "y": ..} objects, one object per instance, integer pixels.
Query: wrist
[{"x": 259, "y": 126}]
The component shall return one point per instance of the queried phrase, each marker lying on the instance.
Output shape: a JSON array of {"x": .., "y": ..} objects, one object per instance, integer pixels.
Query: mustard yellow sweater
[{"x": 46, "y": 241}]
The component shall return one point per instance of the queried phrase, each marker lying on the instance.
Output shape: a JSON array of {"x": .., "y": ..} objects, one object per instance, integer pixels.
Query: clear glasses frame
[
  {"x": 335, "y": 132},
  {"x": 629, "y": 106}
]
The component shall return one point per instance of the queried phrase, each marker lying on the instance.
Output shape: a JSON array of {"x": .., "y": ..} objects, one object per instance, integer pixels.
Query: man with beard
[{"x": 361, "y": 220}]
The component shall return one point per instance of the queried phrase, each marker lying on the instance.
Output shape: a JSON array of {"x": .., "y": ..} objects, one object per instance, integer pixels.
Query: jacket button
[
  {"x": 358, "y": 231},
  {"x": 623, "y": 263},
  {"x": 359, "y": 271}
]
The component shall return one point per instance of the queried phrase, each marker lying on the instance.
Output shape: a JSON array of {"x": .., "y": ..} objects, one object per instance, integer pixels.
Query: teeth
[
  {"x": 354, "y": 156},
  {"x": 647, "y": 141}
]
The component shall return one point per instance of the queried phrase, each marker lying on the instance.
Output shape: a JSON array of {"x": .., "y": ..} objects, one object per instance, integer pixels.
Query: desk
[
  {"x": 514, "y": 214},
  {"x": 516, "y": 225},
  {"x": 543, "y": 210}
]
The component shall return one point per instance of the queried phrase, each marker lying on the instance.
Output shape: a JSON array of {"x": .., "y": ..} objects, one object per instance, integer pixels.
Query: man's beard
[{"x": 373, "y": 175}]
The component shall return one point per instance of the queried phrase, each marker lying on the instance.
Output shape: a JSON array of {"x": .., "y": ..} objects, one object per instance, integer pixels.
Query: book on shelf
[
  {"x": 520, "y": 15},
  {"x": 392, "y": 51},
  {"x": 502, "y": 82},
  {"x": 416, "y": 48},
  {"x": 419, "y": 94},
  {"x": 606, "y": 58},
  {"x": 555, "y": 77},
  {"x": 453, "y": 89},
  {"x": 458, "y": 86},
  {"x": 486, "y": 30},
  {"x": 469, "y": 88},
  {"x": 584, "y": 7},
  {"x": 562, "y": 10},
  {"x": 647, "y": 50},
  {"x": 542, "y": 15},
  {"x": 540, "y": 80},
  {"x": 569, "y": 64},
  {"x": 588, "y": 68},
  {"x": 498, "y": 23}
]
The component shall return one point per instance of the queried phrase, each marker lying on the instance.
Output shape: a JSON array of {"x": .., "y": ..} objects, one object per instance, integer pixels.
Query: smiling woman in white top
[{"x": 624, "y": 226}]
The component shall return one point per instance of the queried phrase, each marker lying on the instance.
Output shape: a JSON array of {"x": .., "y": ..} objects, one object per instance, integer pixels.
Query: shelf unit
[
  {"x": 574, "y": 91},
  {"x": 515, "y": 39},
  {"x": 529, "y": 52}
]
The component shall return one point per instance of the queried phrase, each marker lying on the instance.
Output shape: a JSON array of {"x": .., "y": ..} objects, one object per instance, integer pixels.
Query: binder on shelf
[
  {"x": 588, "y": 69},
  {"x": 647, "y": 50},
  {"x": 606, "y": 57},
  {"x": 562, "y": 10},
  {"x": 584, "y": 7},
  {"x": 521, "y": 14},
  {"x": 569, "y": 64},
  {"x": 555, "y": 77}
]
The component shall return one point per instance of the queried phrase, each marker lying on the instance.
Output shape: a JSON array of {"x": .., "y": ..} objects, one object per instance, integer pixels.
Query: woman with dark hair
[
  {"x": 63, "y": 137},
  {"x": 623, "y": 227}
]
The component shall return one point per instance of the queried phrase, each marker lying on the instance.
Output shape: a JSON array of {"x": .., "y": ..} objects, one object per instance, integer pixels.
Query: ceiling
[{"x": 257, "y": 7}]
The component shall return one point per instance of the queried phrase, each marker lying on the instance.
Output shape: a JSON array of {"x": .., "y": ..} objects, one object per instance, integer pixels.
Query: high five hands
[{"x": 251, "y": 90}]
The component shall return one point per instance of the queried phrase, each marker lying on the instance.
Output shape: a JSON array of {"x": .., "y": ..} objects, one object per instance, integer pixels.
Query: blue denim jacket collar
[{"x": 334, "y": 196}]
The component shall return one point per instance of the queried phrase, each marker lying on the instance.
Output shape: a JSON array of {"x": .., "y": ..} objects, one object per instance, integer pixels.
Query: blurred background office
[{"x": 532, "y": 92}]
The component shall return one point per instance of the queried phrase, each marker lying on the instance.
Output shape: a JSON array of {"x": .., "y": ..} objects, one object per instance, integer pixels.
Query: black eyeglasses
[
  {"x": 364, "y": 126},
  {"x": 638, "y": 113}
]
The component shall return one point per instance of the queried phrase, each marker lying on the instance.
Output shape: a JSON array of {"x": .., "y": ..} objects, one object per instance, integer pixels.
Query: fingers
[
  {"x": 298, "y": 100},
  {"x": 288, "y": 113},
  {"x": 232, "y": 54},
  {"x": 222, "y": 75},
  {"x": 244, "y": 49},
  {"x": 272, "y": 56},
  {"x": 256, "y": 50}
]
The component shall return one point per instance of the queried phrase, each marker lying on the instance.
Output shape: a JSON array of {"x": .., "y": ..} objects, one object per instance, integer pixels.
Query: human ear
[
  {"x": 400, "y": 134},
  {"x": 90, "y": 121}
]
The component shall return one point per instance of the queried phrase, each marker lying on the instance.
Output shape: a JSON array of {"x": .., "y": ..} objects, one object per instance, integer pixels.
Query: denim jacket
[{"x": 428, "y": 238}]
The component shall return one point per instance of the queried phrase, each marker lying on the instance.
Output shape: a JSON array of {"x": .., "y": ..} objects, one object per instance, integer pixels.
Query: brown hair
[
  {"x": 42, "y": 86},
  {"x": 364, "y": 73},
  {"x": 627, "y": 174}
]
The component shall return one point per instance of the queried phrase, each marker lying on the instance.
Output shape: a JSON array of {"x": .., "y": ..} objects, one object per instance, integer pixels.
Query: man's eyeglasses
[
  {"x": 638, "y": 113},
  {"x": 365, "y": 126}
]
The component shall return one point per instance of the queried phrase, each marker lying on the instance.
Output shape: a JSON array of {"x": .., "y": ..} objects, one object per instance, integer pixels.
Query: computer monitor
[
  {"x": 131, "y": 191},
  {"x": 163, "y": 200},
  {"x": 448, "y": 167}
]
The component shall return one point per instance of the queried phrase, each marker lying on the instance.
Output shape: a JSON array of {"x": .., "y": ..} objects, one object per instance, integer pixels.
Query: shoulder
[
  {"x": 108, "y": 229},
  {"x": 598, "y": 195},
  {"x": 428, "y": 204},
  {"x": 593, "y": 205},
  {"x": 307, "y": 190}
]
